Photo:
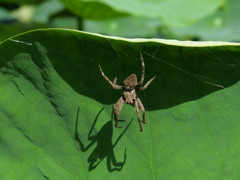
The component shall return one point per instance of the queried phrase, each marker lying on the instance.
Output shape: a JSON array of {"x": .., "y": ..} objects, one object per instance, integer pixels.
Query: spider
[{"x": 130, "y": 86}]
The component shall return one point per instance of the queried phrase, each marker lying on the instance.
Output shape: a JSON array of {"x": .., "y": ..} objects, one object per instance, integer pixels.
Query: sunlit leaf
[
  {"x": 124, "y": 27},
  {"x": 223, "y": 25},
  {"x": 47, "y": 9},
  {"x": 56, "y": 109},
  {"x": 176, "y": 13}
]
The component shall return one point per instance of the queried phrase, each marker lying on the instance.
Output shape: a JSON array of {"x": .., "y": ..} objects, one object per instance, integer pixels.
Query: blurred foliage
[
  {"x": 169, "y": 19},
  {"x": 124, "y": 26},
  {"x": 92, "y": 9},
  {"x": 223, "y": 25},
  {"x": 46, "y": 9},
  {"x": 167, "y": 10},
  {"x": 20, "y": 1},
  {"x": 4, "y": 14}
]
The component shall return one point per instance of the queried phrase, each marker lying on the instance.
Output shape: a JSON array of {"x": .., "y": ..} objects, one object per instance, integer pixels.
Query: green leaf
[
  {"x": 4, "y": 14},
  {"x": 176, "y": 13},
  {"x": 56, "y": 108},
  {"x": 70, "y": 22},
  {"x": 92, "y": 9},
  {"x": 8, "y": 30},
  {"x": 124, "y": 26},
  {"x": 223, "y": 25},
  {"x": 46, "y": 9},
  {"x": 20, "y": 1}
]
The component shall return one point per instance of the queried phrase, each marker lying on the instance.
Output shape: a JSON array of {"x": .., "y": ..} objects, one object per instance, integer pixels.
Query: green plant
[{"x": 55, "y": 108}]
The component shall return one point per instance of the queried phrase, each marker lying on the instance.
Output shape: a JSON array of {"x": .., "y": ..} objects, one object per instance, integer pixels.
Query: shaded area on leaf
[
  {"x": 104, "y": 147},
  {"x": 182, "y": 73}
]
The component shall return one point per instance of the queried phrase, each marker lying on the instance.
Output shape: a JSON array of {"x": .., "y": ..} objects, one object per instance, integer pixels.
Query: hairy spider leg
[
  {"x": 117, "y": 110},
  {"x": 113, "y": 84},
  {"x": 143, "y": 70},
  {"x": 138, "y": 114},
  {"x": 140, "y": 105},
  {"x": 147, "y": 84}
]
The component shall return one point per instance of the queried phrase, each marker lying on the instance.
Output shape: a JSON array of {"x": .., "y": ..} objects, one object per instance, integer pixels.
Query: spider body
[
  {"x": 130, "y": 86},
  {"x": 130, "y": 82},
  {"x": 129, "y": 96}
]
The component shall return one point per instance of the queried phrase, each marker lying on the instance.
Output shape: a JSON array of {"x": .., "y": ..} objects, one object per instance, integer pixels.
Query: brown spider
[{"x": 130, "y": 86}]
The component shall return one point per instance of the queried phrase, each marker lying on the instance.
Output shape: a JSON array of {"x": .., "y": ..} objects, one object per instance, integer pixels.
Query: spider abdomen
[
  {"x": 130, "y": 82},
  {"x": 129, "y": 96}
]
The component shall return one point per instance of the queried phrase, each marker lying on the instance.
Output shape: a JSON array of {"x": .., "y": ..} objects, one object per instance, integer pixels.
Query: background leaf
[
  {"x": 222, "y": 25},
  {"x": 176, "y": 13},
  {"x": 52, "y": 96},
  {"x": 92, "y": 9},
  {"x": 4, "y": 14},
  {"x": 46, "y": 9},
  {"x": 140, "y": 27},
  {"x": 20, "y": 1}
]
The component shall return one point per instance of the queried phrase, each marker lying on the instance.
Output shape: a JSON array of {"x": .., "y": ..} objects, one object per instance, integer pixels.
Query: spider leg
[
  {"x": 138, "y": 114},
  {"x": 140, "y": 105},
  {"x": 117, "y": 110},
  {"x": 143, "y": 70},
  {"x": 147, "y": 84},
  {"x": 115, "y": 80},
  {"x": 113, "y": 84}
]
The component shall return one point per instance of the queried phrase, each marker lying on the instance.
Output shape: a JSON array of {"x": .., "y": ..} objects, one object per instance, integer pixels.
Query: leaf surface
[
  {"x": 56, "y": 109},
  {"x": 222, "y": 25},
  {"x": 176, "y": 13}
]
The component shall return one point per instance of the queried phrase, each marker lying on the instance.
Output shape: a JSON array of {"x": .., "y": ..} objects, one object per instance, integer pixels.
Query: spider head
[{"x": 130, "y": 82}]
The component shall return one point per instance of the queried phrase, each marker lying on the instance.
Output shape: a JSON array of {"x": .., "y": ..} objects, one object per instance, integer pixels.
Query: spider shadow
[{"x": 104, "y": 146}]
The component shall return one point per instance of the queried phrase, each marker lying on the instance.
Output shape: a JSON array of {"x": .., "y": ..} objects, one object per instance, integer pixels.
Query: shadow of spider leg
[
  {"x": 118, "y": 166},
  {"x": 117, "y": 110},
  {"x": 104, "y": 147}
]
